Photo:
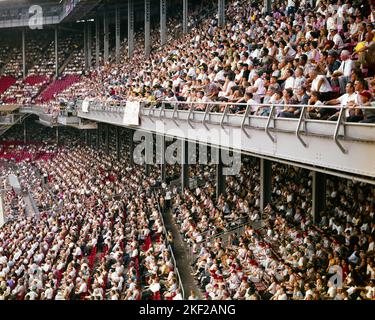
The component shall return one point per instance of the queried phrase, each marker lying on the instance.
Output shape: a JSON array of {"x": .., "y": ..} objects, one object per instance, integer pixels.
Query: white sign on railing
[
  {"x": 131, "y": 114},
  {"x": 85, "y": 105}
]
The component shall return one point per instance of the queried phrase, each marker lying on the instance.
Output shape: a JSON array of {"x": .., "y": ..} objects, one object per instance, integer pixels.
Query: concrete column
[
  {"x": 160, "y": 155},
  {"x": 23, "y": 54},
  {"x": 185, "y": 165},
  {"x": 24, "y": 131},
  {"x": 147, "y": 169},
  {"x": 56, "y": 54},
  {"x": 118, "y": 143},
  {"x": 106, "y": 37},
  {"x": 118, "y": 33},
  {"x": 89, "y": 42},
  {"x": 97, "y": 41},
  {"x": 130, "y": 28},
  {"x": 98, "y": 137},
  {"x": 57, "y": 135},
  {"x": 147, "y": 29},
  {"x": 318, "y": 195},
  {"x": 163, "y": 22},
  {"x": 131, "y": 146},
  {"x": 106, "y": 138},
  {"x": 221, "y": 13},
  {"x": 265, "y": 183},
  {"x": 267, "y": 5},
  {"x": 85, "y": 45},
  {"x": 185, "y": 10},
  {"x": 163, "y": 171},
  {"x": 220, "y": 179}
]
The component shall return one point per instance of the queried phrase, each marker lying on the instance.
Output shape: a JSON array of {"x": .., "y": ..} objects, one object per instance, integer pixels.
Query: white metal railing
[{"x": 191, "y": 113}]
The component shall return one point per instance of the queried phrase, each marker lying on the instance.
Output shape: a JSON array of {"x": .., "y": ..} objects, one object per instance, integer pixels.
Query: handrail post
[
  {"x": 162, "y": 109},
  {"x": 224, "y": 114},
  {"x": 189, "y": 115},
  {"x": 207, "y": 110},
  {"x": 301, "y": 119},
  {"x": 175, "y": 110},
  {"x": 270, "y": 117},
  {"x": 338, "y": 124},
  {"x": 150, "y": 116},
  {"x": 246, "y": 114}
]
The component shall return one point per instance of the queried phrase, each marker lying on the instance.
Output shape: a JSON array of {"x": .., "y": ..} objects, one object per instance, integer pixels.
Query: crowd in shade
[
  {"x": 286, "y": 256},
  {"x": 105, "y": 241},
  {"x": 99, "y": 233}
]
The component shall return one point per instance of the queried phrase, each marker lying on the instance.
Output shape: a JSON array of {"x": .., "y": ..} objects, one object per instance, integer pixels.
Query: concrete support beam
[
  {"x": 130, "y": 28},
  {"x": 97, "y": 41},
  {"x": 185, "y": 165},
  {"x": 106, "y": 37},
  {"x": 160, "y": 156},
  {"x": 118, "y": 33},
  {"x": 185, "y": 12},
  {"x": 57, "y": 135},
  {"x": 131, "y": 146},
  {"x": 106, "y": 128},
  {"x": 23, "y": 53},
  {"x": 163, "y": 22},
  {"x": 147, "y": 169},
  {"x": 56, "y": 54},
  {"x": 265, "y": 183},
  {"x": 220, "y": 178},
  {"x": 118, "y": 143},
  {"x": 98, "y": 137},
  {"x": 89, "y": 43},
  {"x": 24, "y": 131},
  {"x": 221, "y": 13},
  {"x": 318, "y": 195},
  {"x": 267, "y": 5},
  {"x": 147, "y": 29},
  {"x": 85, "y": 45}
]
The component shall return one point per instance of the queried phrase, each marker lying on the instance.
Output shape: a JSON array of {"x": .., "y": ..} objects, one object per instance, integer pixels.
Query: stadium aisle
[{"x": 181, "y": 256}]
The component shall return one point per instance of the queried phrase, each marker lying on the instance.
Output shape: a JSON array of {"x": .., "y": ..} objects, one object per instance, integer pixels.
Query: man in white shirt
[
  {"x": 336, "y": 38},
  {"x": 258, "y": 88},
  {"x": 320, "y": 84},
  {"x": 343, "y": 73},
  {"x": 347, "y": 99}
]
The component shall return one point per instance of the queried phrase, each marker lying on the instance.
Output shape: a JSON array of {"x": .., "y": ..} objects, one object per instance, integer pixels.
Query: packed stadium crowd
[
  {"x": 99, "y": 233},
  {"x": 104, "y": 238},
  {"x": 296, "y": 55},
  {"x": 103, "y": 243},
  {"x": 292, "y": 258},
  {"x": 317, "y": 56}
]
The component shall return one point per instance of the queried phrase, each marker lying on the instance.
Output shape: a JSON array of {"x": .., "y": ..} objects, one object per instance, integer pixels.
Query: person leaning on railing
[
  {"x": 314, "y": 106},
  {"x": 346, "y": 100},
  {"x": 364, "y": 115},
  {"x": 288, "y": 99}
]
